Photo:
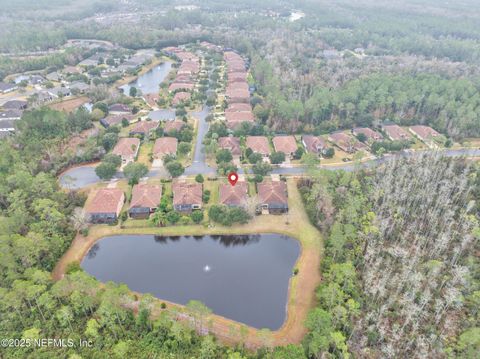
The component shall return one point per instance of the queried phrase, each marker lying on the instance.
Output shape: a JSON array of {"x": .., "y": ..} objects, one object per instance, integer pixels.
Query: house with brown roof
[
  {"x": 237, "y": 95},
  {"x": 424, "y": 133},
  {"x": 176, "y": 125},
  {"x": 258, "y": 144},
  {"x": 346, "y": 143},
  {"x": 314, "y": 144},
  {"x": 145, "y": 200},
  {"x": 112, "y": 120},
  {"x": 165, "y": 146},
  {"x": 371, "y": 135},
  {"x": 180, "y": 97},
  {"x": 127, "y": 148},
  {"x": 187, "y": 196},
  {"x": 285, "y": 144},
  {"x": 233, "y": 196},
  {"x": 235, "y": 119},
  {"x": 105, "y": 206},
  {"x": 396, "y": 133},
  {"x": 118, "y": 108},
  {"x": 184, "y": 86},
  {"x": 143, "y": 128},
  {"x": 230, "y": 143},
  {"x": 238, "y": 107},
  {"x": 273, "y": 197}
]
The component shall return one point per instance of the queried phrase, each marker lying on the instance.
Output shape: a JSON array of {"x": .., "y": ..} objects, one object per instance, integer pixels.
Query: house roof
[
  {"x": 238, "y": 94},
  {"x": 258, "y": 144},
  {"x": 119, "y": 107},
  {"x": 186, "y": 193},
  {"x": 368, "y": 132},
  {"x": 272, "y": 193},
  {"x": 7, "y": 125},
  {"x": 237, "y": 76},
  {"x": 146, "y": 195},
  {"x": 4, "y": 86},
  {"x": 237, "y": 86},
  {"x": 238, "y": 107},
  {"x": 313, "y": 143},
  {"x": 230, "y": 143},
  {"x": 239, "y": 116},
  {"x": 233, "y": 195},
  {"x": 395, "y": 132},
  {"x": 126, "y": 146},
  {"x": 165, "y": 145},
  {"x": 180, "y": 86},
  {"x": 424, "y": 132},
  {"x": 11, "y": 114},
  {"x": 15, "y": 104},
  {"x": 173, "y": 125},
  {"x": 285, "y": 144},
  {"x": 116, "y": 119},
  {"x": 181, "y": 96},
  {"x": 346, "y": 142},
  {"x": 144, "y": 127},
  {"x": 106, "y": 200}
]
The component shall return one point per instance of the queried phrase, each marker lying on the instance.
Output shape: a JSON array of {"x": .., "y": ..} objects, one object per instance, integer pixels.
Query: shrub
[
  {"x": 197, "y": 216},
  {"x": 199, "y": 178}
]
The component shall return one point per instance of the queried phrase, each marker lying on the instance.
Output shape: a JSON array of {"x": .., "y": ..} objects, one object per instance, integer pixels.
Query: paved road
[{"x": 199, "y": 165}]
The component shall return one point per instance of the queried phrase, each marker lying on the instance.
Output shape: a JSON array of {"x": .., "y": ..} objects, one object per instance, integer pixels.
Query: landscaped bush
[{"x": 228, "y": 216}]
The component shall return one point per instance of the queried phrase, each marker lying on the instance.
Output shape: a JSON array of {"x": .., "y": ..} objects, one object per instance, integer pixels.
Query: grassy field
[{"x": 302, "y": 286}]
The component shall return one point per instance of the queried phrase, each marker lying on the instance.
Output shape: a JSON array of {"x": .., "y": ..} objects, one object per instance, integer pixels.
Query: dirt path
[{"x": 302, "y": 286}]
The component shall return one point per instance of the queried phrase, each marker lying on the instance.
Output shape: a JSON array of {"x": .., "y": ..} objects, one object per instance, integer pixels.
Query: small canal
[{"x": 244, "y": 278}]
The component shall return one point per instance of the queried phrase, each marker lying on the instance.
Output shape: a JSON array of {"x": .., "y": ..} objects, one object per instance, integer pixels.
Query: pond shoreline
[{"x": 301, "y": 291}]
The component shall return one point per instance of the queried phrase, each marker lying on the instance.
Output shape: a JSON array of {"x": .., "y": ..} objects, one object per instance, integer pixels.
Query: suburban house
[
  {"x": 7, "y": 87},
  {"x": 58, "y": 92},
  {"x": 346, "y": 143},
  {"x": 79, "y": 86},
  {"x": 15, "y": 105},
  {"x": 314, "y": 144},
  {"x": 424, "y": 133},
  {"x": 238, "y": 107},
  {"x": 176, "y": 125},
  {"x": 145, "y": 200},
  {"x": 165, "y": 146},
  {"x": 106, "y": 205},
  {"x": 237, "y": 95},
  {"x": 258, "y": 144},
  {"x": 112, "y": 120},
  {"x": 118, "y": 108},
  {"x": 180, "y": 97},
  {"x": 233, "y": 196},
  {"x": 234, "y": 119},
  {"x": 371, "y": 135},
  {"x": 7, "y": 127},
  {"x": 187, "y": 196},
  {"x": 232, "y": 144},
  {"x": 184, "y": 86},
  {"x": 143, "y": 128},
  {"x": 127, "y": 148},
  {"x": 396, "y": 133},
  {"x": 285, "y": 144},
  {"x": 273, "y": 197}
]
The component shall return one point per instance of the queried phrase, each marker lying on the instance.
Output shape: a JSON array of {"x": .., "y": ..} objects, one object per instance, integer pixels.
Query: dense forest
[
  {"x": 379, "y": 51},
  {"x": 401, "y": 266}
]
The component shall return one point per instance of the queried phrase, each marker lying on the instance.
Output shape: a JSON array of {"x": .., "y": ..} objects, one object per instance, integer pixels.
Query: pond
[
  {"x": 149, "y": 81},
  {"x": 81, "y": 176},
  {"x": 244, "y": 278}
]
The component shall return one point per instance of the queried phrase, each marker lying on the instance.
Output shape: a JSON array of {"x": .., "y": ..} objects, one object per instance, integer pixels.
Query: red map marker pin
[{"x": 232, "y": 178}]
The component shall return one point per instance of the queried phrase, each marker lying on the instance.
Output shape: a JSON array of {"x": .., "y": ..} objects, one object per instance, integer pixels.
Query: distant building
[
  {"x": 346, "y": 143},
  {"x": 396, "y": 133},
  {"x": 15, "y": 105},
  {"x": 127, "y": 148},
  {"x": 143, "y": 128},
  {"x": 424, "y": 133},
  {"x": 11, "y": 114},
  {"x": 145, "y": 200},
  {"x": 112, "y": 120},
  {"x": 176, "y": 125},
  {"x": 7, "y": 87},
  {"x": 106, "y": 205},
  {"x": 371, "y": 135},
  {"x": 118, "y": 108},
  {"x": 314, "y": 144}
]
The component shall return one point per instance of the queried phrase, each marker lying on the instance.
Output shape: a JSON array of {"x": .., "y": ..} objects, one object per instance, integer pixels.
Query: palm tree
[{"x": 159, "y": 218}]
